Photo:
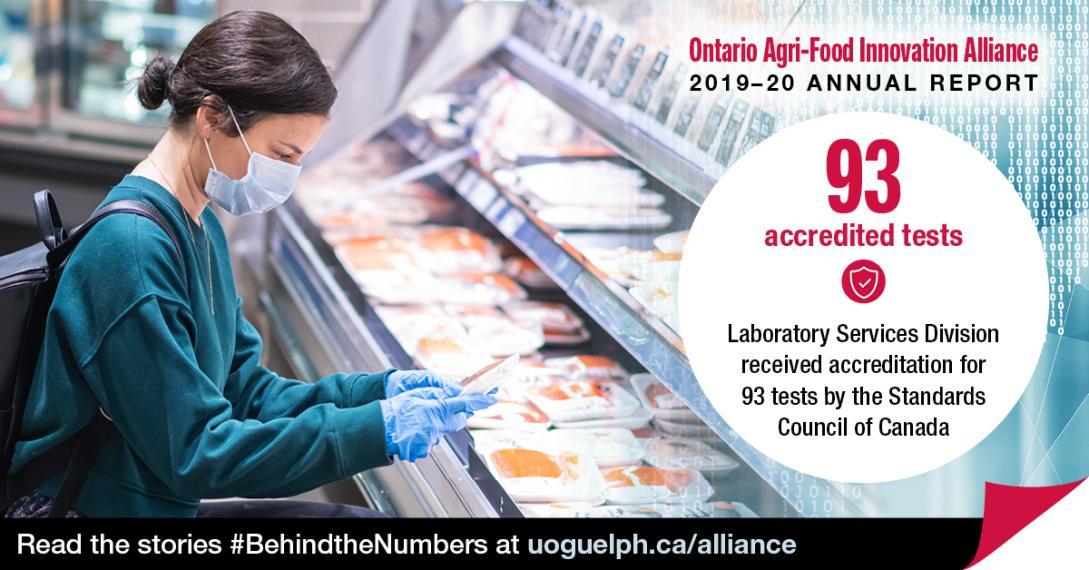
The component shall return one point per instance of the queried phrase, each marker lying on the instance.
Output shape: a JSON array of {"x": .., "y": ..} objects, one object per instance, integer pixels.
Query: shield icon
[{"x": 863, "y": 281}]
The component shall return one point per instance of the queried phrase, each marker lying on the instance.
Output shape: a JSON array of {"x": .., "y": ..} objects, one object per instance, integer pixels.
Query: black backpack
[{"x": 28, "y": 281}]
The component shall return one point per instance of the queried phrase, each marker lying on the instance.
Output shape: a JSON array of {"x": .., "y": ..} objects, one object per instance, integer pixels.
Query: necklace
[{"x": 192, "y": 238}]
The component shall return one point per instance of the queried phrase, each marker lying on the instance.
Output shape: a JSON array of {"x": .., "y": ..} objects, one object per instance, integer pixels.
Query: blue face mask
[{"x": 268, "y": 182}]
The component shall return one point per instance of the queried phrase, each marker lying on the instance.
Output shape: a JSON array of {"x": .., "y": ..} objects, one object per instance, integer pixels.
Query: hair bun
[{"x": 154, "y": 84}]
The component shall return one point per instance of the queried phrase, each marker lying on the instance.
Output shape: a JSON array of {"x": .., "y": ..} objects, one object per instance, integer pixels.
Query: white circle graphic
[{"x": 948, "y": 343}]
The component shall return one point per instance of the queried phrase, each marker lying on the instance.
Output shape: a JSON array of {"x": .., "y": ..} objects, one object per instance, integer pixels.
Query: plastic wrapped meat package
[
  {"x": 586, "y": 403},
  {"x": 510, "y": 412},
  {"x": 559, "y": 324},
  {"x": 450, "y": 355},
  {"x": 335, "y": 194},
  {"x": 523, "y": 270},
  {"x": 385, "y": 269},
  {"x": 660, "y": 400},
  {"x": 585, "y": 184},
  {"x": 610, "y": 447},
  {"x": 590, "y": 195},
  {"x": 519, "y": 121},
  {"x": 604, "y": 218},
  {"x": 671, "y": 415},
  {"x": 411, "y": 323},
  {"x": 496, "y": 332},
  {"x": 536, "y": 468},
  {"x": 477, "y": 288},
  {"x": 645, "y": 484},
  {"x": 588, "y": 366},
  {"x": 673, "y": 452},
  {"x": 450, "y": 249}
]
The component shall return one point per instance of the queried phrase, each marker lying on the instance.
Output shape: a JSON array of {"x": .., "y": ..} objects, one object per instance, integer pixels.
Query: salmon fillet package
[
  {"x": 510, "y": 413},
  {"x": 587, "y": 366},
  {"x": 450, "y": 355},
  {"x": 660, "y": 400},
  {"x": 611, "y": 447},
  {"x": 523, "y": 270},
  {"x": 411, "y": 323},
  {"x": 478, "y": 288},
  {"x": 645, "y": 484},
  {"x": 568, "y": 401},
  {"x": 449, "y": 249},
  {"x": 559, "y": 324},
  {"x": 535, "y": 468},
  {"x": 496, "y": 332}
]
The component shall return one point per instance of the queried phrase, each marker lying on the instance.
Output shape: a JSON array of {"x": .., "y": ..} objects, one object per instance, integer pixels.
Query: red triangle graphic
[{"x": 1008, "y": 509}]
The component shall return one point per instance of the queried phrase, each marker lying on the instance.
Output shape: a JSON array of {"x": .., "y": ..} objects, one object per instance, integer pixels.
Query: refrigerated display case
[
  {"x": 19, "y": 32},
  {"x": 106, "y": 46},
  {"x": 67, "y": 71},
  {"x": 560, "y": 184}
]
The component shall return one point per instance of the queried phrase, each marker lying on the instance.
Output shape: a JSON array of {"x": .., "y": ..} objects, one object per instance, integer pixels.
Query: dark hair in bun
[
  {"x": 252, "y": 60},
  {"x": 155, "y": 82}
]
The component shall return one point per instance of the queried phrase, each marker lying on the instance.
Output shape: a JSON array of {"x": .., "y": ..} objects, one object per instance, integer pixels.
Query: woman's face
[{"x": 280, "y": 137}]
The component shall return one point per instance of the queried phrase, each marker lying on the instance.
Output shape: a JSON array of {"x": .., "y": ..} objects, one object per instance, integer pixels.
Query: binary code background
[{"x": 1037, "y": 139}]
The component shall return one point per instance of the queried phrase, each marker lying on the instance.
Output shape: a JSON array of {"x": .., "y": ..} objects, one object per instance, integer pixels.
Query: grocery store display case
[{"x": 532, "y": 201}]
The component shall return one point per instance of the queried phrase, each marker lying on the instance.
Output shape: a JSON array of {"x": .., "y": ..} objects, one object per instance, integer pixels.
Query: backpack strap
[
  {"x": 49, "y": 222},
  {"x": 76, "y": 455},
  {"x": 62, "y": 250}
]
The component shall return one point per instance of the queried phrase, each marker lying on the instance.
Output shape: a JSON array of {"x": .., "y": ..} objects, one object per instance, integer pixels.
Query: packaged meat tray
[
  {"x": 534, "y": 468},
  {"x": 566, "y": 338},
  {"x": 633, "y": 421},
  {"x": 475, "y": 288},
  {"x": 450, "y": 355},
  {"x": 644, "y": 484},
  {"x": 496, "y": 332},
  {"x": 487, "y": 379},
  {"x": 449, "y": 249},
  {"x": 601, "y": 195},
  {"x": 674, "y": 452},
  {"x": 410, "y": 323},
  {"x": 661, "y": 300},
  {"x": 524, "y": 271},
  {"x": 398, "y": 286},
  {"x": 587, "y": 218},
  {"x": 588, "y": 366},
  {"x": 610, "y": 447},
  {"x": 375, "y": 251},
  {"x": 551, "y": 316},
  {"x": 509, "y": 413},
  {"x": 660, "y": 400},
  {"x": 567, "y": 400}
]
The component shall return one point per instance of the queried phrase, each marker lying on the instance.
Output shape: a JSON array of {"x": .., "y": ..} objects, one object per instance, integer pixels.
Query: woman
[{"x": 161, "y": 344}]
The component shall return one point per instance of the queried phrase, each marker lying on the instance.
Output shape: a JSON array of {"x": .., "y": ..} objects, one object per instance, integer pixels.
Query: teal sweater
[{"x": 170, "y": 358}]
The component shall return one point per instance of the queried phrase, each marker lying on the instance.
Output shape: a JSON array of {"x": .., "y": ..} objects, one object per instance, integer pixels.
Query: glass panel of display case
[
  {"x": 108, "y": 45},
  {"x": 17, "y": 80}
]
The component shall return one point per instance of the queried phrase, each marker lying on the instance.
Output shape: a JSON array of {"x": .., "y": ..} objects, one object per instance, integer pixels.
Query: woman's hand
[
  {"x": 416, "y": 420},
  {"x": 400, "y": 381}
]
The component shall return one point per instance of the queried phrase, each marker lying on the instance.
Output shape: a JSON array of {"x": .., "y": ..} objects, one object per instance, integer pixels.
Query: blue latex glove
[
  {"x": 415, "y": 420},
  {"x": 400, "y": 381}
]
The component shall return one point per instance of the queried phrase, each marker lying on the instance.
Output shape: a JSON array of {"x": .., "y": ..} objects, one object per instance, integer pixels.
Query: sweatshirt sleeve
[
  {"x": 258, "y": 393},
  {"x": 178, "y": 422}
]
